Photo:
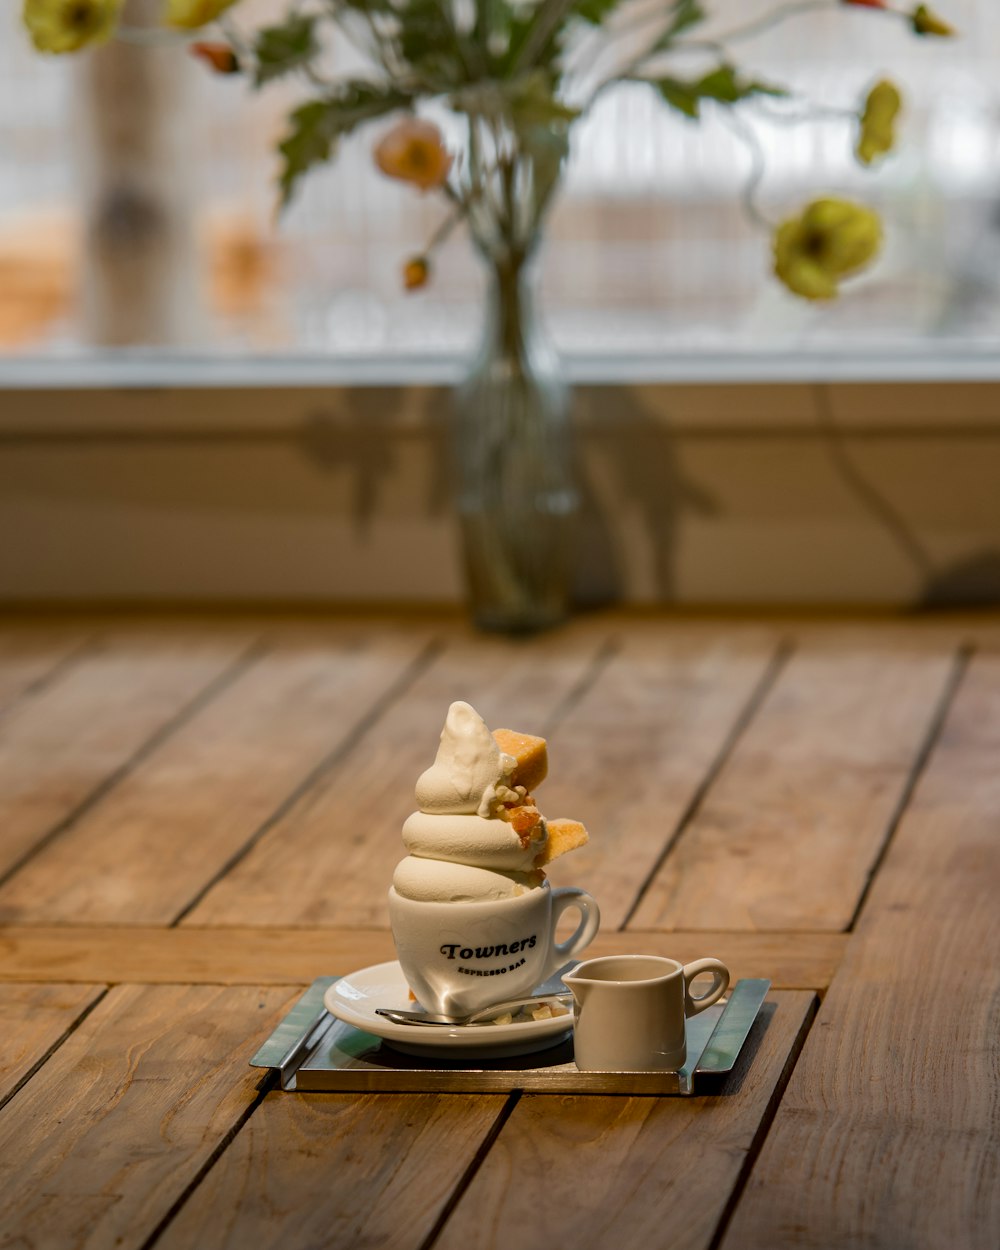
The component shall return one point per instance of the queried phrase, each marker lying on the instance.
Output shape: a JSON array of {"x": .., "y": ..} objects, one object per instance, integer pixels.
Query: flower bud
[
  {"x": 416, "y": 271},
  {"x": 927, "y": 23},
  {"x": 219, "y": 56},
  {"x": 877, "y": 121}
]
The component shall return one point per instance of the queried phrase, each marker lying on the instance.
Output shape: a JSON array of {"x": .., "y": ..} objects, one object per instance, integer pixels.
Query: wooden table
[{"x": 198, "y": 817}]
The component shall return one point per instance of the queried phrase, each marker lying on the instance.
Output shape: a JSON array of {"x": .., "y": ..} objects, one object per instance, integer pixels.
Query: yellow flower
[
  {"x": 193, "y": 13},
  {"x": 927, "y": 23},
  {"x": 416, "y": 271},
  {"x": 829, "y": 241},
  {"x": 877, "y": 118},
  {"x": 414, "y": 151},
  {"x": 67, "y": 25}
]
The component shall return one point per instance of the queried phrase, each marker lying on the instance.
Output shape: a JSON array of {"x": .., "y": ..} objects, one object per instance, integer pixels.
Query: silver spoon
[{"x": 484, "y": 1016}]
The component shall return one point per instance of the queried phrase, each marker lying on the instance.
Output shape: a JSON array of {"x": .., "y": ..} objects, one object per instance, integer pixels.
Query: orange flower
[
  {"x": 416, "y": 271},
  {"x": 219, "y": 56},
  {"x": 414, "y": 151}
]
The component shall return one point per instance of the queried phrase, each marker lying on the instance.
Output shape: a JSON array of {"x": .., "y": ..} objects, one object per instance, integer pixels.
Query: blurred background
[
  {"x": 202, "y": 403},
  {"x": 648, "y": 250}
]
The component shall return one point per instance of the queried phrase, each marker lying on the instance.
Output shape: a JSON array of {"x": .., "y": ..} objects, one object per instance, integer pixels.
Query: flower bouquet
[{"x": 518, "y": 75}]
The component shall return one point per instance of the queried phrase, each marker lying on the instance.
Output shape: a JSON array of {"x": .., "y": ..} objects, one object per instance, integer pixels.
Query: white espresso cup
[
  {"x": 630, "y": 1010},
  {"x": 462, "y": 957}
]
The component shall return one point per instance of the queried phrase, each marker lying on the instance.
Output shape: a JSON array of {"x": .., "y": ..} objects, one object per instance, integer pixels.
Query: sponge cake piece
[
  {"x": 531, "y": 754},
  {"x": 564, "y": 835}
]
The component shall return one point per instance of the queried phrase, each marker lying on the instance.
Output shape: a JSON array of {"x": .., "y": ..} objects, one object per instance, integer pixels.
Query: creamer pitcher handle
[{"x": 720, "y": 983}]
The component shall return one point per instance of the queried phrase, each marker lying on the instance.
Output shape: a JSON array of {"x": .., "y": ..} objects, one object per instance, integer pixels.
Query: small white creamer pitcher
[{"x": 630, "y": 1010}]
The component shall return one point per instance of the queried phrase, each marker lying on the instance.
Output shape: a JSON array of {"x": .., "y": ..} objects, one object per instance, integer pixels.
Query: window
[{"x": 648, "y": 249}]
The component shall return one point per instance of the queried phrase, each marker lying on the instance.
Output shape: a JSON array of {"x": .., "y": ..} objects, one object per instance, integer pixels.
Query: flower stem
[
  {"x": 762, "y": 24},
  {"x": 758, "y": 167}
]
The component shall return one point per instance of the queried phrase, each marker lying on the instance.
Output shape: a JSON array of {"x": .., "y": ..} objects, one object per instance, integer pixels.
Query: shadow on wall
[
  {"x": 968, "y": 582},
  {"x": 630, "y": 445},
  {"x": 629, "y": 470},
  {"x": 367, "y": 441}
]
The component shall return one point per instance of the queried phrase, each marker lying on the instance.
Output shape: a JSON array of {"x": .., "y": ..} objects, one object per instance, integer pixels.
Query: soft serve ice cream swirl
[{"x": 461, "y": 849}]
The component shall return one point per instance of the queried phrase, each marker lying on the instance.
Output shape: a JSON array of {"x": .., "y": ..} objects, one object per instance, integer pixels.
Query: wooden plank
[
  {"x": 627, "y": 1172},
  {"x": 35, "y": 1018},
  {"x": 59, "y": 748},
  {"x": 30, "y": 655},
  {"x": 336, "y": 1170},
  {"x": 147, "y": 849},
  {"x": 641, "y": 742},
  {"x": 791, "y": 829},
  {"x": 889, "y": 1133},
  {"x": 97, "y": 1147},
  {"x": 269, "y": 956},
  {"x": 330, "y": 859},
  {"x": 884, "y": 630}
]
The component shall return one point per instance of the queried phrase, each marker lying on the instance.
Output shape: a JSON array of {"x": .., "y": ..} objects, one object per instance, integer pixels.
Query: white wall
[{"x": 741, "y": 493}]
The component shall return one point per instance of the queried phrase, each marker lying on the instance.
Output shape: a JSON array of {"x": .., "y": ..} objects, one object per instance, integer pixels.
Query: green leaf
[
  {"x": 503, "y": 34},
  {"x": 529, "y": 105},
  {"x": 532, "y": 103},
  {"x": 595, "y": 11},
  {"x": 686, "y": 13},
  {"x": 318, "y": 127},
  {"x": 364, "y": 6},
  {"x": 281, "y": 49},
  {"x": 679, "y": 95},
  {"x": 724, "y": 85},
  {"x": 721, "y": 84},
  {"x": 542, "y": 125},
  {"x": 429, "y": 42}
]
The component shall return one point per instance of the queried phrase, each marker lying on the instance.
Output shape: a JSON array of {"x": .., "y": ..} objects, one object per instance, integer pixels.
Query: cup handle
[
  {"x": 720, "y": 984},
  {"x": 585, "y": 932}
]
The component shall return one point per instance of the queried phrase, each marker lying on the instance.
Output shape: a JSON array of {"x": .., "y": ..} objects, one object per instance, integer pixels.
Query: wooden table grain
[{"x": 198, "y": 816}]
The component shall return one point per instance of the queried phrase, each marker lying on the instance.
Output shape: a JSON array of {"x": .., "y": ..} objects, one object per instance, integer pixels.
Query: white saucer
[{"x": 354, "y": 999}]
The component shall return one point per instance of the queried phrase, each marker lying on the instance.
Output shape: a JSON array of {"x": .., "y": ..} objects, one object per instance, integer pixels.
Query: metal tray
[{"x": 312, "y": 1050}]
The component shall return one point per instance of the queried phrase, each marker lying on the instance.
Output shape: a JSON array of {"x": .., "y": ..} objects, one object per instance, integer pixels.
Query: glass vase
[{"x": 513, "y": 458}]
